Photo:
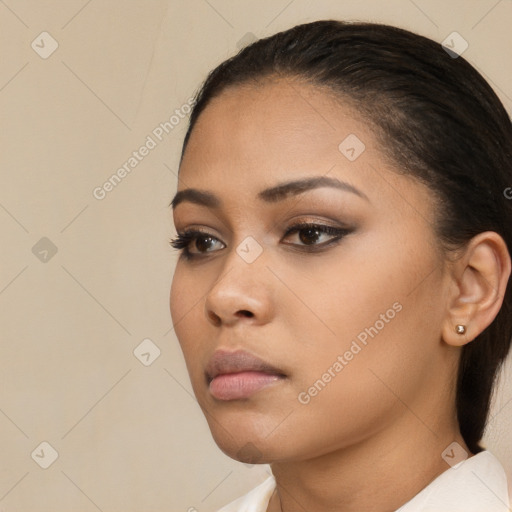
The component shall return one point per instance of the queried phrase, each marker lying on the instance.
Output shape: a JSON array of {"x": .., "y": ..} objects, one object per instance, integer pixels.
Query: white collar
[{"x": 479, "y": 484}]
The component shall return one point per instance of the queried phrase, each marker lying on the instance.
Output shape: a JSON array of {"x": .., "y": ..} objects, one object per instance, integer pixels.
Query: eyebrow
[{"x": 269, "y": 195}]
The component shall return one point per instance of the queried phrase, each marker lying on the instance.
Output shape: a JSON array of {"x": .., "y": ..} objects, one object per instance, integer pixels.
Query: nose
[{"x": 241, "y": 293}]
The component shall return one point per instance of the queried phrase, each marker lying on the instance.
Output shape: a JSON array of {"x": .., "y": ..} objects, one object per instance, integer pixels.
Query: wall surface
[{"x": 85, "y": 266}]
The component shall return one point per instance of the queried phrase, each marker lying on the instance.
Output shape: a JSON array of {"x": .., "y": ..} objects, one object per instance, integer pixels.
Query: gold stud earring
[{"x": 460, "y": 329}]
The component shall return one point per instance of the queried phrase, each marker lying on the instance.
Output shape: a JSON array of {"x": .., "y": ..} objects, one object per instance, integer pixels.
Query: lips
[
  {"x": 239, "y": 375},
  {"x": 224, "y": 362}
]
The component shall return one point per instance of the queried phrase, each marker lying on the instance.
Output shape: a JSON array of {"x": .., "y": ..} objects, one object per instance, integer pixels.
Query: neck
[{"x": 363, "y": 477}]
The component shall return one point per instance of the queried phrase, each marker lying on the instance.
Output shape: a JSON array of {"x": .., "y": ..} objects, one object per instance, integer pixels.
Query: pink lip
[
  {"x": 233, "y": 386},
  {"x": 239, "y": 374}
]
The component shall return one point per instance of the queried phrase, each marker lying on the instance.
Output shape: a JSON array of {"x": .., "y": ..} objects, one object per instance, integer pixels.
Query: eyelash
[{"x": 183, "y": 240}]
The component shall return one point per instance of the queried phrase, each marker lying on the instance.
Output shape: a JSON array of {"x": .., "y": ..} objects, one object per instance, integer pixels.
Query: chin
[{"x": 249, "y": 448}]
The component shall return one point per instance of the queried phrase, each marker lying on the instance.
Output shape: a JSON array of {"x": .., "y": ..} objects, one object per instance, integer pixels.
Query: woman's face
[{"x": 351, "y": 316}]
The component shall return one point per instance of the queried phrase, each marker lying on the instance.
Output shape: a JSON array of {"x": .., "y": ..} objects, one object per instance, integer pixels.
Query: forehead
[{"x": 275, "y": 125}]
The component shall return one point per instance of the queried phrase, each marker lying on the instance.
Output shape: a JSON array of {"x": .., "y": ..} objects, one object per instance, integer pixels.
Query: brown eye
[
  {"x": 204, "y": 242},
  {"x": 310, "y": 234}
]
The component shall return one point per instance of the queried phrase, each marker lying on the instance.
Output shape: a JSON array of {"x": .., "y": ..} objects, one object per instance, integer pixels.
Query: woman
[{"x": 342, "y": 296}]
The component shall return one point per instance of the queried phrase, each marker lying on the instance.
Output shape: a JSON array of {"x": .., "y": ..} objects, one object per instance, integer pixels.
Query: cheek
[
  {"x": 177, "y": 296},
  {"x": 184, "y": 302},
  {"x": 346, "y": 385},
  {"x": 370, "y": 311}
]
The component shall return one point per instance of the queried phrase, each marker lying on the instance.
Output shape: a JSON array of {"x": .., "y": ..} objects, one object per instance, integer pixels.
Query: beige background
[{"x": 131, "y": 437}]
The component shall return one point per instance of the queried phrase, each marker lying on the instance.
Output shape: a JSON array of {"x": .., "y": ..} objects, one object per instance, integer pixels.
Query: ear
[{"x": 478, "y": 282}]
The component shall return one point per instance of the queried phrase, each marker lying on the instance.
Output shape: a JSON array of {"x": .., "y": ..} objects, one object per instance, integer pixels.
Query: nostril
[{"x": 215, "y": 319}]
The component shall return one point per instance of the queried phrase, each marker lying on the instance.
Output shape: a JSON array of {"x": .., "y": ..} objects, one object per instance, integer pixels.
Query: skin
[{"x": 390, "y": 413}]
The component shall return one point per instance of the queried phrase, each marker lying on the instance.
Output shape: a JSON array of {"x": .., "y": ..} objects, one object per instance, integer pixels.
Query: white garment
[{"x": 479, "y": 484}]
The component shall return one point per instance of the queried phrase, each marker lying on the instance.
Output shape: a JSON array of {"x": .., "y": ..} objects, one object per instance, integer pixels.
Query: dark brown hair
[{"x": 437, "y": 119}]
